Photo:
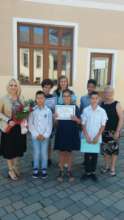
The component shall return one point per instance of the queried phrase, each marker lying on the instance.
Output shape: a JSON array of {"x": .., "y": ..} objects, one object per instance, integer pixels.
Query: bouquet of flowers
[{"x": 21, "y": 114}]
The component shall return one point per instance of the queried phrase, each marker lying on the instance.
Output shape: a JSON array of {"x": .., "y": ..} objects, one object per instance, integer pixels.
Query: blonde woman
[
  {"x": 13, "y": 143},
  {"x": 112, "y": 131}
]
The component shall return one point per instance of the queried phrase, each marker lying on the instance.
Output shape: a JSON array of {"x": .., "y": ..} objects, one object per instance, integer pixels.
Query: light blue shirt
[{"x": 40, "y": 122}]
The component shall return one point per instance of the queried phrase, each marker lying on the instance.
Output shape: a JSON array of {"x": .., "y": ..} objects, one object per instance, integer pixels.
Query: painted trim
[
  {"x": 49, "y": 22},
  {"x": 114, "y": 62},
  {"x": 83, "y": 3}
]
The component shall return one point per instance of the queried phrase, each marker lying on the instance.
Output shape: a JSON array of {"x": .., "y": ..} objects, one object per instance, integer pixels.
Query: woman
[
  {"x": 62, "y": 85},
  {"x": 13, "y": 143},
  {"x": 67, "y": 138},
  {"x": 112, "y": 130}
]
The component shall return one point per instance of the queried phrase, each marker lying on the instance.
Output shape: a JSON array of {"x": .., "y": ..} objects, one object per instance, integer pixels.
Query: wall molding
[{"x": 83, "y": 3}]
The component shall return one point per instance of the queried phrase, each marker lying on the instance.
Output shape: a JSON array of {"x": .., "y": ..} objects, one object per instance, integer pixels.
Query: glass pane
[
  {"x": 67, "y": 38},
  {"x": 24, "y": 34},
  {"x": 66, "y": 64},
  {"x": 38, "y": 66},
  {"x": 99, "y": 70},
  {"x": 53, "y": 63},
  {"x": 24, "y": 65},
  {"x": 38, "y": 35},
  {"x": 53, "y": 36}
]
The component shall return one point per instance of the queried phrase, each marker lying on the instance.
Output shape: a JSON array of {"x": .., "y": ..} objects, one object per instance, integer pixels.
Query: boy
[
  {"x": 40, "y": 126},
  {"x": 47, "y": 85},
  {"x": 93, "y": 120},
  {"x": 85, "y": 100}
]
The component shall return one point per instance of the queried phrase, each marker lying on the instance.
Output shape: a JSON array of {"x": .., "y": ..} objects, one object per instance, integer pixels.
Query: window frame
[{"x": 46, "y": 46}]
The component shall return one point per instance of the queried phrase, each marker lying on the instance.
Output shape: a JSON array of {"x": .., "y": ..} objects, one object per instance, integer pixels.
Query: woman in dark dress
[
  {"x": 13, "y": 143},
  {"x": 112, "y": 131},
  {"x": 67, "y": 138}
]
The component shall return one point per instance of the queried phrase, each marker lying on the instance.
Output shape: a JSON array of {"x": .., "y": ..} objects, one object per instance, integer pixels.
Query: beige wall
[{"x": 97, "y": 29}]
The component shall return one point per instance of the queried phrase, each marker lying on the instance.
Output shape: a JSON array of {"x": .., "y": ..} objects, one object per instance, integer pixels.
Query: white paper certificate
[{"x": 65, "y": 112}]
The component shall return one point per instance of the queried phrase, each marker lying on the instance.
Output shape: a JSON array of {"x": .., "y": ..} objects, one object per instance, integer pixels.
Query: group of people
[{"x": 97, "y": 120}]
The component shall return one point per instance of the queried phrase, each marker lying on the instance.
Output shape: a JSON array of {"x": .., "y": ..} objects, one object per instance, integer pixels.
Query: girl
[
  {"x": 62, "y": 85},
  {"x": 67, "y": 138}
]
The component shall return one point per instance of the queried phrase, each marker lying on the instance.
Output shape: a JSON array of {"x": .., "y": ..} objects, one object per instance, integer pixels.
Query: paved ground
[{"x": 30, "y": 199}]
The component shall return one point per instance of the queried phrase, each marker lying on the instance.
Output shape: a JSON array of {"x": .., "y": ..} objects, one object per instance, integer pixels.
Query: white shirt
[
  {"x": 94, "y": 120},
  {"x": 40, "y": 122}
]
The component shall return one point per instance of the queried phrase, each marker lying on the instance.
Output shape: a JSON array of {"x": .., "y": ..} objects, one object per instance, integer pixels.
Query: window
[
  {"x": 44, "y": 52},
  {"x": 101, "y": 69}
]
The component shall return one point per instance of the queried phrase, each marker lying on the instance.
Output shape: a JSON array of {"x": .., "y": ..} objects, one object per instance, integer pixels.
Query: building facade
[{"x": 47, "y": 38}]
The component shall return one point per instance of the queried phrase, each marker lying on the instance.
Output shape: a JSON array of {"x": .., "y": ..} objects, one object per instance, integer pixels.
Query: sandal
[
  {"x": 60, "y": 177},
  {"x": 104, "y": 170},
  {"x": 112, "y": 173},
  {"x": 70, "y": 176},
  {"x": 12, "y": 175}
]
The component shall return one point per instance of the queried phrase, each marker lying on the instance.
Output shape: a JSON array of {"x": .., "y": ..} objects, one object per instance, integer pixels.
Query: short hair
[
  {"x": 67, "y": 91},
  {"x": 94, "y": 93},
  {"x": 47, "y": 82},
  {"x": 92, "y": 81},
  {"x": 39, "y": 92}
]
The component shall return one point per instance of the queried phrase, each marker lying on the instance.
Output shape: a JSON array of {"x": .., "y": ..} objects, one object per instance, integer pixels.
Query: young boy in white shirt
[
  {"x": 40, "y": 126},
  {"x": 93, "y": 120}
]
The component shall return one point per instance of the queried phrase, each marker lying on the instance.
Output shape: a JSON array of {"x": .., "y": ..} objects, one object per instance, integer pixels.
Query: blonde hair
[
  {"x": 109, "y": 88},
  {"x": 18, "y": 86}
]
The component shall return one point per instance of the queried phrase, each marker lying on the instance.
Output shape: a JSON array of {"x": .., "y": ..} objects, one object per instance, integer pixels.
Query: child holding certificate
[
  {"x": 67, "y": 136},
  {"x": 93, "y": 120}
]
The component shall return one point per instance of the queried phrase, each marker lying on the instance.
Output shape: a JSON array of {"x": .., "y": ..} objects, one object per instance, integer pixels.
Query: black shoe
[
  {"x": 94, "y": 177},
  {"x": 35, "y": 174},
  {"x": 44, "y": 174},
  {"x": 85, "y": 176},
  {"x": 49, "y": 162}
]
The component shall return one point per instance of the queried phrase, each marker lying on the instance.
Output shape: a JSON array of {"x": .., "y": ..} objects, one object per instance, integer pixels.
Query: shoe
[
  {"x": 12, "y": 175},
  {"x": 44, "y": 174},
  {"x": 85, "y": 176},
  {"x": 94, "y": 177},
  {"x": 112, "y": 173},
  {"x": 104, "y": 170},
  {"x": 49, "y": 162},
  {"x": 70, "y": 176},
  {"x": 35, "y": 174},
  {"x": 60, "y": 177}
]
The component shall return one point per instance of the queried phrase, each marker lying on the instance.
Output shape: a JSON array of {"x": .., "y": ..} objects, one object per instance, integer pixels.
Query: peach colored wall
[{"x": 97, "y": 29}]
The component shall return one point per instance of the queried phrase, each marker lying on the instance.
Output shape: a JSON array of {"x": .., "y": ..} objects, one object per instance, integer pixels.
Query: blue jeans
[{"x": 40, "y": 153}]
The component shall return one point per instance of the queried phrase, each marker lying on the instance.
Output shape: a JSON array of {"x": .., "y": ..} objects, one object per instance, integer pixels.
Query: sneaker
[
  {"x": 70, "y": 176},
  {"x": 85, "y": 176},
  {"x": 94, "y": 177},
  {"x": 60, "y": 177},
  {"x": 44, "y": 174},
  {"x": 35, "y": 174}
]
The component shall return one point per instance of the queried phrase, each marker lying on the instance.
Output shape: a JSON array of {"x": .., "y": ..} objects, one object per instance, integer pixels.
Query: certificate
[
  {"x": 89, "y": 148},
  {"x": 65, "y": 112}
]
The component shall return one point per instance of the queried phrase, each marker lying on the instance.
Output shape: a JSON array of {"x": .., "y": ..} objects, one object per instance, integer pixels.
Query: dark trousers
[{"x": 90, "y": 162}]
